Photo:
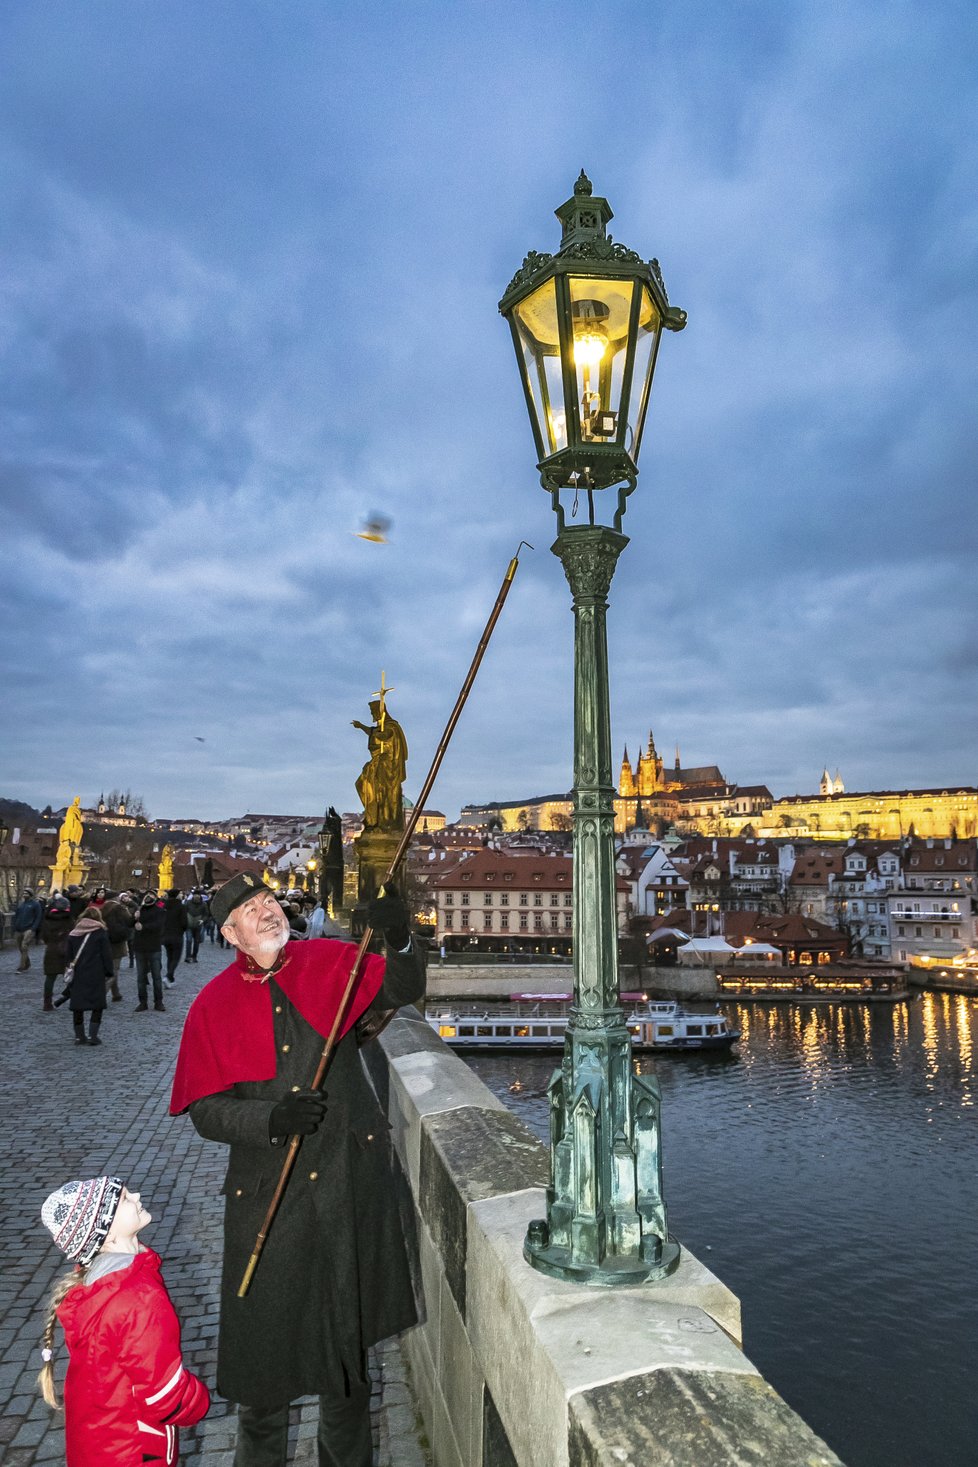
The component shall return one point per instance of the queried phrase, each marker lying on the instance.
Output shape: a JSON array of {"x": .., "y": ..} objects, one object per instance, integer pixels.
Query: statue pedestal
[
  {"x": 64, "y": 876},
  {"x": 375, "y": 851}
]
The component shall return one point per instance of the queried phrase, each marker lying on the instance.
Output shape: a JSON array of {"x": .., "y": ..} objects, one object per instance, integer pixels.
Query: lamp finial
[{"x": 583, "y": 185}]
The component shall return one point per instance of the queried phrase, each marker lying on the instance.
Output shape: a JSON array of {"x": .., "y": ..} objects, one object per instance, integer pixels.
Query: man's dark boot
[{"x": 93, "y": 1034}]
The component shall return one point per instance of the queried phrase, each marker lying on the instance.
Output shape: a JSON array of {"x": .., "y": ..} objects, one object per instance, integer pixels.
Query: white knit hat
[{"x": 79, "y": 1216}]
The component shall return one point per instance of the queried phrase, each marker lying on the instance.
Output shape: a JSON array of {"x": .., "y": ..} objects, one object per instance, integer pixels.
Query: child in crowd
[{"x": 127, "y": 1388}]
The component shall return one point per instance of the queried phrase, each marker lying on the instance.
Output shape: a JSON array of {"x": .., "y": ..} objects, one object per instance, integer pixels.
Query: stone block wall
[{"x": 514, "y": 1369}]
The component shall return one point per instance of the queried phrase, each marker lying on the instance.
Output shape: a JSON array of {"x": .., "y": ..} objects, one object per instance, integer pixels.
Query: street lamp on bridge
[{"x": 586, "y": 325}]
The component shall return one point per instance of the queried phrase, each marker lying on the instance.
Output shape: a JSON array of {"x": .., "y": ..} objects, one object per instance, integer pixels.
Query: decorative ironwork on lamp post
[{"x": 586, "y": 325}]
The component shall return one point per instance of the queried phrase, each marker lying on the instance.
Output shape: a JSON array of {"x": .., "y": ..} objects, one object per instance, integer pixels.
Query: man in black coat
[
  {"x": 174, "y": 926},
  {"x": 147, "y": 944},
  {"x": 333, "y": 1278}
]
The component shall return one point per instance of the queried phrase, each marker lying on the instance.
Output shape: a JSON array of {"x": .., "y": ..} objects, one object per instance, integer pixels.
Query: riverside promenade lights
[{"x": 586, "y": 325}]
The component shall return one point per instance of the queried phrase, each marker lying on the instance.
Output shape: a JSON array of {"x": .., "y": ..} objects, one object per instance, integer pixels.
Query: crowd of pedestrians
[{"x": 86, "y": 936}]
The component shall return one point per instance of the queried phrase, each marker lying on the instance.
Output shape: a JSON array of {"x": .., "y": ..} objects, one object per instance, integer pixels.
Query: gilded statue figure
[
  {"x": 166, "y": 862},
  {"x": 72, "y": 829},
  {"x": 379, "y": 785}
]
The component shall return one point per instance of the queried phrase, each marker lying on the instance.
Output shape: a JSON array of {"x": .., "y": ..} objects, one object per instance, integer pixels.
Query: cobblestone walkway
[{"x": 78, "y": 1112}]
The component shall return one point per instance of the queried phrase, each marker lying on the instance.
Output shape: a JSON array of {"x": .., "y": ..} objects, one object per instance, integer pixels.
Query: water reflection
[{"x": 830, "y": 1170}]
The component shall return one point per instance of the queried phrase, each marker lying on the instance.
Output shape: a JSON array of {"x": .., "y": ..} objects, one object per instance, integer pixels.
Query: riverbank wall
[{"x": 513, "y": 1369}]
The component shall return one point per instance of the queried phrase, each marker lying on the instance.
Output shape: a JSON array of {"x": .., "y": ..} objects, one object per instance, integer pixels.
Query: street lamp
[{"x": 586, "y": 324}]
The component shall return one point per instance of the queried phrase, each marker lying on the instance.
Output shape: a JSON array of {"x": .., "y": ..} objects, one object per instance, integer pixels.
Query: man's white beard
[{"x": 270, "y": 942}]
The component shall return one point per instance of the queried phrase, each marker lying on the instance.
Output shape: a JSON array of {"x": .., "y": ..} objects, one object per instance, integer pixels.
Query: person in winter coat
[
  {"x": 127, "y": 1388},
  {"x": 87, "y": 949},
  {"x": 333, "y": 1278},
  {"x": 55, "y": 926},
  {"x": 77, "y": 900},
  {"x": 196, "y": 917},
  {"x": 148, "y": 946},
  {"x": 119, "y": 921},
  {"x": 174, "y": 926},
  {"x": 25, "y": 926}
]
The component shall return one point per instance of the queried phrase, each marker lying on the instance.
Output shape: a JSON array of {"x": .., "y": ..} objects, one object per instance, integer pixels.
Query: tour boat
[{"x": 534, "y": 1023}]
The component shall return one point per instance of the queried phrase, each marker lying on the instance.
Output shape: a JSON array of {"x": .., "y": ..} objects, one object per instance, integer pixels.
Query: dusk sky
[{"x": 250, "y": 260}]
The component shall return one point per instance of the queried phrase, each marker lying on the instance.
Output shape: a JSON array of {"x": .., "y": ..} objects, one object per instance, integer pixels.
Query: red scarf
[{"x": 228, "y": 1035}]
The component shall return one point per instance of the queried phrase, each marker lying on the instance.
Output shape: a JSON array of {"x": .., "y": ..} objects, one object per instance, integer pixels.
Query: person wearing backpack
[
  {"x": 148, "y": 946},
  {"x": 55, "y": 926},
  {"x": 196, "y": 910},
  {"x": 119, "y": 922}
]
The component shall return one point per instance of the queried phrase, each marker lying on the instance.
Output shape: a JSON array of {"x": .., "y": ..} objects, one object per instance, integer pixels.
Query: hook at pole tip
[{"x": 511, "y": 571}]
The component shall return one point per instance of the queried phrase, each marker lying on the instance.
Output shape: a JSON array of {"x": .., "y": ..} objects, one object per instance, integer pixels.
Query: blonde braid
[{"x": 45, "y": 1378}]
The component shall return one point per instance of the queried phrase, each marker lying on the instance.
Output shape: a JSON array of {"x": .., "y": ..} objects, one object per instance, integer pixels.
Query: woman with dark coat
[
  {"x": 88, "y": 948},
  {"x": 55, "y": 926}
]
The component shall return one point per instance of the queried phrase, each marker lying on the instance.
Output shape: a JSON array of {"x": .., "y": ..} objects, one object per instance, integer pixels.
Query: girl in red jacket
[{"x": 127, "y": 1388}]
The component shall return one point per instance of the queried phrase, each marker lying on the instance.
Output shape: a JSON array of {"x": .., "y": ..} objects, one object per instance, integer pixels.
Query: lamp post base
[{"x": 613, "y": 1272}]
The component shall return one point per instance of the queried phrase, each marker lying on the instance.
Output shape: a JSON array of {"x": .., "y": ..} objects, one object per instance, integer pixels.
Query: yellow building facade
[{"x": 876, "y": 815}]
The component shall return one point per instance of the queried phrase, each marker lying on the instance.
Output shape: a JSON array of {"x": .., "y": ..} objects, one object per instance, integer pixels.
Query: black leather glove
[
  {"x": 389, "y": 915},
  {"x": 299, "y": 1114}
]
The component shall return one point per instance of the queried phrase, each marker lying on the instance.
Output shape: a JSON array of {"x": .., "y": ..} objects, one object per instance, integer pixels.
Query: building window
[
  {"x": 568, "y": 899},
  {"x": 449, "y": 899},
  {"x": 504, "y": 899},
  {"x": 524, "y": 899},
  {"x": 918, "y": 932},
  {"x": 568, "y": 922},
  {"x": 504, "y": 921},
  {"x": 554, "y": 920},
  {"x": 487, "y": 921},
  {"x": 487, "y": 899},
  {"x": 523, "y": 921},
  {"x": 554, "y": 899},
  {"x": 465, "y": 899},
  {"x": 465, "y": 919},
  {"x": 538, "y": 923},
  {"x": 537, "y": 899},
  {"x": 449, "y": 916}
]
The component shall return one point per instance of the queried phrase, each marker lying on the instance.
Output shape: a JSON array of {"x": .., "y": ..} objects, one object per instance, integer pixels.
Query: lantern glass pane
[
  {"x": 647, "y": 340},
  {"x": 536, "y": 328},
  {"x": 600, "y": 312}
]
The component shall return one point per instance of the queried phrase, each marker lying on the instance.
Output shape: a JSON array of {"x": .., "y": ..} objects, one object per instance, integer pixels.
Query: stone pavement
[{"x": 78, "y": 1112}]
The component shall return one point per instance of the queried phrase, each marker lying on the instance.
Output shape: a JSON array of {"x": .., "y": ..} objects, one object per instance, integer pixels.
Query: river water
[{"x": 828, "y": 1173}]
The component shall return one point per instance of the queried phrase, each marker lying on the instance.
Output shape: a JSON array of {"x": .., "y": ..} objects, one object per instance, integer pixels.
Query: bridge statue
[
  {"x": 380, "y": 789},
  {"x": 68, "y": 868},
  {"x": 381, "y": 778}
]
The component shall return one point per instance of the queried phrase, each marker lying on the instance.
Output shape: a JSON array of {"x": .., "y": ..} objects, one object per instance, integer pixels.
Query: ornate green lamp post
[{"x": 586, "y": 324}]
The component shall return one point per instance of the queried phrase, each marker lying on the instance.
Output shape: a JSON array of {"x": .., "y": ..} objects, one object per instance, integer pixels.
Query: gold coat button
[
  {"x": 278, "y": 1008},
  {"x": 370, "y": 1138},
  {"x": 237, "y": 1192},
  {"x": 313, "y": 1176},
  {"x": 285, "y": 1049},
  {"x": 295, "y": 1087}
]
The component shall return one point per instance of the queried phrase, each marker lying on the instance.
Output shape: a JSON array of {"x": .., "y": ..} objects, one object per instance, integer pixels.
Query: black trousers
[
  {"x": 343, "y": 1440},
  {"x": 174, "y": 952}
]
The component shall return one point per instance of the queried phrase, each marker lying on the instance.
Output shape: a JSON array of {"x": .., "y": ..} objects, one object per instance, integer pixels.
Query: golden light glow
[{"x": 589, "y": 347}]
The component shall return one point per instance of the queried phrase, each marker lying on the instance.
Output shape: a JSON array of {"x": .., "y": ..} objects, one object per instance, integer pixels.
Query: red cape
[{"x": 228, "y": 1035}]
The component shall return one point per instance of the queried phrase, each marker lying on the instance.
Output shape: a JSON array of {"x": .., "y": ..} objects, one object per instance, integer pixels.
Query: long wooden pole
[{"x": 295, "y": 1142}]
